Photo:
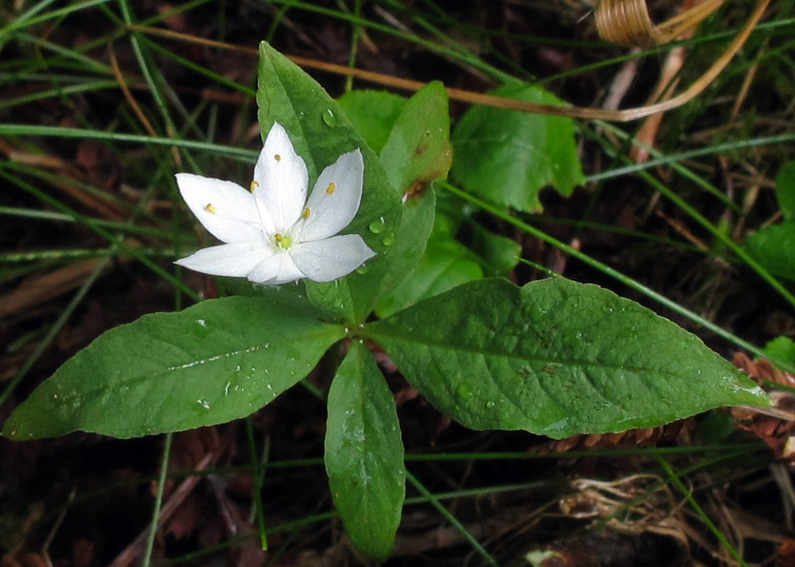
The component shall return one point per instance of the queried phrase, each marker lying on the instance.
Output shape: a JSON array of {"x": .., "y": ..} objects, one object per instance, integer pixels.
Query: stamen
[
  {"x": 277, "y": 157},
  {"x": 210, "y": 209},
  {"x": 331, "y": 188},
  {"x": 253, "y": 185},
  {"x": 305, "y": 213},
  {"x": 279, "y": 238}
]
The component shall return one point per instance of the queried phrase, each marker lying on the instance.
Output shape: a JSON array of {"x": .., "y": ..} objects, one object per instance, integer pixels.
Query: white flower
[{"x": 272, "y": 234}]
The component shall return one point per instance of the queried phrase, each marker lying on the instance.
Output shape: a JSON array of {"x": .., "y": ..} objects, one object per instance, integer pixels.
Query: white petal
[
  {"x": 234, "y": 260},
  {"x": 335, "y": 199},
  {"x": 281, "y": 179},
  {"x": 224, "y": 208},
  {"x": 276, "y": 270},
  {"x": 329, "y": 259}
]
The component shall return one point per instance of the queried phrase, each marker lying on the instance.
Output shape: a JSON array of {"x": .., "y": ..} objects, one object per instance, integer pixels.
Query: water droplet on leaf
[
  {"x": 377, "y": 226},
  {"x": 329, "y": 118},
  {"x": 464, "y": 391},
  {"x": 388, "y": 240},
  {"x": 200, "y": 329},
  {"x": 203, "y": 403}
]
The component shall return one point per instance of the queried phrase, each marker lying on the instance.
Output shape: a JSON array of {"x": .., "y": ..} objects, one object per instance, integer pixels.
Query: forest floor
[{"x": 714, "y": 489}]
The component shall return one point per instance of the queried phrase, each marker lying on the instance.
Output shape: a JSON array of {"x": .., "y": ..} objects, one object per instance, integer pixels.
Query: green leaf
[
  {"x": 445, "y": 265},
  {"x": 418, "y": 150},
  {"x": 409, "y": 249},
  {"x": 717, "y": 427},
  {"x": 506, "y": 157},
  {"x": 556, "y": 358},
  {"x": 321, "y": 132},
  {"x": 773, "y": 247},
  {"x": 364, "y": 453},
  {"x": 785, "y": 190},
  {"x": 372, "y": 113},
  {"x": 451, "y": 214},
  {"x": 214, "y": 362},
  {"x": 781, "y": 348},
  {"x": 499, "y": 254}
]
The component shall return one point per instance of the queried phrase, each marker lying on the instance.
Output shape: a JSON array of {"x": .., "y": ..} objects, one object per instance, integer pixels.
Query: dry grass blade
[
  {"x": 117, "y": 72},
  {"x": 133, "y": 551},
  {"x": 671, "y": 30},
  {"x": 35, "y": 291}
]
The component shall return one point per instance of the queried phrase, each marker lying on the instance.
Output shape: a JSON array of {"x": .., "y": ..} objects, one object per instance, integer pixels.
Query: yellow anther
[
  {"x": 279, "y": 238},
  {"x": 305, "y": 213},
  {"x": 210, "y": 209},
  {"x": 277, "y": 157},
  {"x": 253, "y": 185},
  {"x": 331, "y": 188}
]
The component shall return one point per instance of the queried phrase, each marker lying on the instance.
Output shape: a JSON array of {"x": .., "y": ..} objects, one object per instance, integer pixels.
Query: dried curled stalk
[{"x": 627, "y": 22}]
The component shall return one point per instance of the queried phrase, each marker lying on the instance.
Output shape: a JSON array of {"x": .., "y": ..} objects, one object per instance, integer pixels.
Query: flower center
[{"x": 283, "y": 240}]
